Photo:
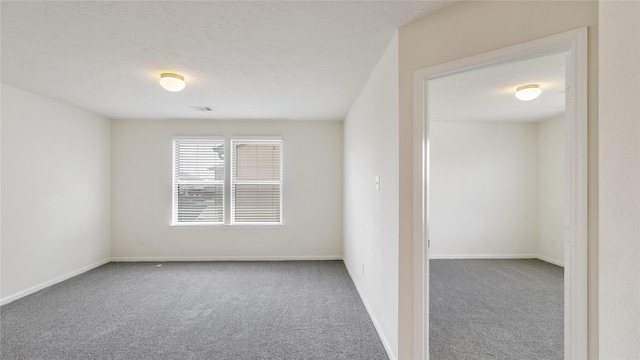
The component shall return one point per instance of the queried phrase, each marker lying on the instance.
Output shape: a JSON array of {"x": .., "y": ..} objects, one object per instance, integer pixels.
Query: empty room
[{"x": 253, "y": 180}]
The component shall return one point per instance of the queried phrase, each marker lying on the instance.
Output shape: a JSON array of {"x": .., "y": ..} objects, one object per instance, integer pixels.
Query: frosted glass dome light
[
  {"x": 528, "y": 92},
  {"x": 172, "y": 82}
]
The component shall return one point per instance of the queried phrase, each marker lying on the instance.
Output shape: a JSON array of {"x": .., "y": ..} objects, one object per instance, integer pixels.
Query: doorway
[
  {"x": 572, "y": 238},
  {"x": 496, "y": 206}
]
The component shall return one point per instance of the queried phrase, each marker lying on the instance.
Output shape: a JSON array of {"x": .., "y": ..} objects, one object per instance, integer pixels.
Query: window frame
[
  {"x": 232, "y": 181},
  {"x": 228, "y": 198}
]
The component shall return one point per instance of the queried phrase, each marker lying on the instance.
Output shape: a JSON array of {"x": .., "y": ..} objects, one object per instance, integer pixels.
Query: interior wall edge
[{"x": 371, "y": 190}]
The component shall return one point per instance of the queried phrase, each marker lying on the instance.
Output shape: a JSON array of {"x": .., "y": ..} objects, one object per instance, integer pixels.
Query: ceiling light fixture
[
  {"x": 172, "y": 82},
  {"x": 528, "y": 92}
]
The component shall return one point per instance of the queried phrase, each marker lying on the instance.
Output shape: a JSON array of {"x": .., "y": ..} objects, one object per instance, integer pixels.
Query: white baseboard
[
  {"x": 498, "y": 256},
  {"x": 550, "y": 260},
  {"x": 227, "y": 258},
  {"x": 33, "y": 289},
  {"x": 483, "y": 256},
  {"x": 383, "y": 338}
]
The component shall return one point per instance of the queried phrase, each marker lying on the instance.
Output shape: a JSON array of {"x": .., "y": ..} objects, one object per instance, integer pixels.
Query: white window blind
[
  {"x": 256, "y": 181},
  {"x": 198, "y": 181}
]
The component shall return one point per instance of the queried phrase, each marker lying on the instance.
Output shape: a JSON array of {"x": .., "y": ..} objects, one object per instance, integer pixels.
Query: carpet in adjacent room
[{"x": 496, "y": 309}]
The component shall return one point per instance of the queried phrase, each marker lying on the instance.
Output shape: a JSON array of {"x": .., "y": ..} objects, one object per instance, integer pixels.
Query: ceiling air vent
[{"x": 202, "y": 108}]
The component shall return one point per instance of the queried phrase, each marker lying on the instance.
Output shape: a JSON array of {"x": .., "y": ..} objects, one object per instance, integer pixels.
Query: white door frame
[{"x": 575, "y": 278}]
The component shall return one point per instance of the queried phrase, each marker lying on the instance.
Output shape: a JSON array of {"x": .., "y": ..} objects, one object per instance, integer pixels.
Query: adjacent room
[
  {"x": 237, "y": 180},
  {"x": 496, "y": 210}
]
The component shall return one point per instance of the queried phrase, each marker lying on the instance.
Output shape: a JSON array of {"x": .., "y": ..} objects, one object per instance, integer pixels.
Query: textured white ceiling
[
  {"x": 297, "y": 60},
  {"x": 488, "y": 93}
]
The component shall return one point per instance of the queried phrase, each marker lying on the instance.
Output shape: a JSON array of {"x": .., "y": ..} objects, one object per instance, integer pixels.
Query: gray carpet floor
[
  {"x": 201, "y": 310},
  {"x": 496, "y": 309}
]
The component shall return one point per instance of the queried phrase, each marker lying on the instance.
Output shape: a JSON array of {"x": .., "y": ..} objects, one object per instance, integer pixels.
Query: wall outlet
[
  {"x": 290, "y": 240},
  {"x": 141, "y": 240}
]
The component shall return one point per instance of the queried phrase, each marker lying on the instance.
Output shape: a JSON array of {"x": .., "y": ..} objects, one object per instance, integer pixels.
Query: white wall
[
  {"x": 55, "y": 192},
  {"x": 619, "y": 138},
  {"x": 497, "y": 189},
  {"x": 141, "y": 193},
  {"x": 370, "y": 216},
  {"x": 483, "y": 189},
  {"x": 1, "y": 301},
  {"x": 469, "y": 28},
  {"x": 550, "y": 197}
]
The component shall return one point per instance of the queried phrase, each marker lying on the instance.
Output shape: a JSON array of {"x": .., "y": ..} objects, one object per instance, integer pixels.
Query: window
[
  {"x": 256, "y": 181},
  {"x": 204, "y": 195},
  {"x": 198, "y": 181}
]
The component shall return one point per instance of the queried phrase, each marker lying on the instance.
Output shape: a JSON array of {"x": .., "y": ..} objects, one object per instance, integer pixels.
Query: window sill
[{"x": 225, "y": 226}]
